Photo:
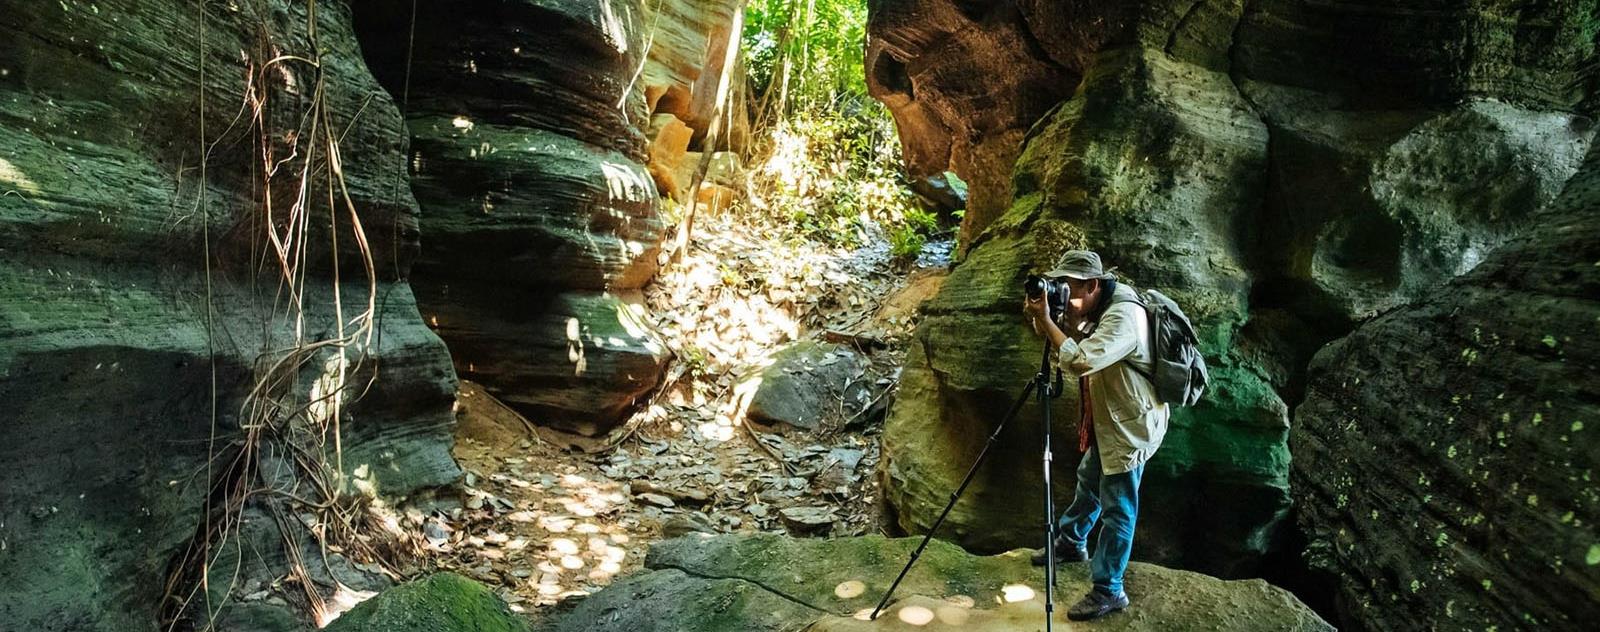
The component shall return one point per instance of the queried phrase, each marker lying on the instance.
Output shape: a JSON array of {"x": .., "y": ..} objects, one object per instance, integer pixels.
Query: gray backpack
[{"x": 1179, "y": 371}]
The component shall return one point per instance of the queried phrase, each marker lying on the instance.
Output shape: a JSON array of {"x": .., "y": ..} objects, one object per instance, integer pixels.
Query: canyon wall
[{"x": 1286, "y": 170}]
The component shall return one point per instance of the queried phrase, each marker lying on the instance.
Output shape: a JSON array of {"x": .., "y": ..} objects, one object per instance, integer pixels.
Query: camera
[{"x": 1055, "y": 293}]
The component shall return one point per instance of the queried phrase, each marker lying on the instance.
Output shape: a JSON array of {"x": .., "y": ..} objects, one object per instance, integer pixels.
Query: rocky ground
[
  {"x": 716, "y": 583},
  {"x": 801, "y": 338}
]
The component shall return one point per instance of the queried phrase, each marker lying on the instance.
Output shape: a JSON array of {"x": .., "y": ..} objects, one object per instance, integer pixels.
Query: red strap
[{"x": 1086, "y": 415}]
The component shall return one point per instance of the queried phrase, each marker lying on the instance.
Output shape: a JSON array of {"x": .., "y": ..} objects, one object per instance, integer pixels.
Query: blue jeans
[{"x": 1114, "y": 499}]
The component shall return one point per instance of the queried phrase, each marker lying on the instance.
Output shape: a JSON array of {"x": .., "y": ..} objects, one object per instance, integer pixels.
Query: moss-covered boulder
[
  {"x": 761, "y": 583},
  {"x": 442, "y": 602},
  {"x": 1446, "y": 453}
]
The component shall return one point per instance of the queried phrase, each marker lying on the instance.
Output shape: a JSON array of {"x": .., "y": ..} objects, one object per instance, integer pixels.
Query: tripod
[{"x": 1040, "y": 386}]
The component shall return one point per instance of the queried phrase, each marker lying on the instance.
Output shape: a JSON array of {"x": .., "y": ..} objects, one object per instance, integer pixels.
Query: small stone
[{"x": 808, "y": 519}]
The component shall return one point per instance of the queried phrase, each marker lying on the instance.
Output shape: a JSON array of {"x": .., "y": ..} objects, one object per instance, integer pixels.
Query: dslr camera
[{"x": 1055, "y": 293}]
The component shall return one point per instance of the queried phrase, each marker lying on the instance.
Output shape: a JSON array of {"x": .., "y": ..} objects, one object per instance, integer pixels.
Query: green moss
[{"x": 443, "y": 602}]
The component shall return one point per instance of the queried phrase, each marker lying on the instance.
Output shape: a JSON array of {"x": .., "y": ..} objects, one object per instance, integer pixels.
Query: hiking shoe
[
  {"x": 1066, "y": 553},
  {"x": 1097, "y": 604}
]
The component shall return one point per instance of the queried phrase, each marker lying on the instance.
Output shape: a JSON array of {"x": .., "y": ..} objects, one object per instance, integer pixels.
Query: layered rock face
[
  {"x": 1284, "y": 170},
  {"x": 137, "y": 279},
  {"x": 688, "y": 45},
  {"x": 541, "y": 220},
  {"x": 964, "y": 82},
  {"x": 1445, "y": 455}
]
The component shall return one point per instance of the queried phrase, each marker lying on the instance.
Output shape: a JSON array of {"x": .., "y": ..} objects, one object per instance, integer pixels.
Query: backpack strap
[{"x": 1138, "y": 299}]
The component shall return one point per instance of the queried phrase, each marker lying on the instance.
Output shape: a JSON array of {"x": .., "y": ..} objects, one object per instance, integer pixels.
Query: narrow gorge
[{"x": 554, "y": 315}]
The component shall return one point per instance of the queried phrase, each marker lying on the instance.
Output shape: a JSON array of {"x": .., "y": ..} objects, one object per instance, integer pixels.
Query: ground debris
[{"x": 546, "y": 524}]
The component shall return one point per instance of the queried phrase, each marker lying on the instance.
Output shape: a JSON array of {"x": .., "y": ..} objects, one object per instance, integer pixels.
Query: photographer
[{"x": 1102, "y": 336}]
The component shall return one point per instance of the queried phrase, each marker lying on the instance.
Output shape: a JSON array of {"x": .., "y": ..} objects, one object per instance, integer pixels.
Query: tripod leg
[
  {"x": 1049, "y": 516},
  {"x": 972, "y": 471}
]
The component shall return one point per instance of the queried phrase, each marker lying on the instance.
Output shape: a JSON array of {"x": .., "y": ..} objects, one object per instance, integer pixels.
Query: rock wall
[
  {"x": 964, "y": 81},
  {"x": 687, "y": 44},
  {"x": 541, "y": 220},
  {"x": 1285, "y": 170},
  {"x": 1445, "y": 454},
  {"x": 134, "y": 280}
]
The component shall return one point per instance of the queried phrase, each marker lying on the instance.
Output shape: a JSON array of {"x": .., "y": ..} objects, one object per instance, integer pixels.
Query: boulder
[
  {"x": 805, "y": 385},
  {"x": 764, "y": 582},
  {"x": 1445, "y": 453},
  {"x": 442, "y": 602}
]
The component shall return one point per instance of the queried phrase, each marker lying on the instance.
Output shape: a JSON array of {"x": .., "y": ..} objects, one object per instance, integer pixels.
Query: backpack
[{"x": 1178, "y": 370}]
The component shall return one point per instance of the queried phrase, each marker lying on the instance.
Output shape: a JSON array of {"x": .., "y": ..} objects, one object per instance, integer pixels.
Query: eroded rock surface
[
  {"x": 134, "y": 287},
  {"x": 1445, "y": 454},
  {"x": 713, "y": 583},
  {"x": 541, "y": 221}
]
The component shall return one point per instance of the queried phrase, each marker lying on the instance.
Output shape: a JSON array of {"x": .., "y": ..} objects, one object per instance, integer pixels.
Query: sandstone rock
[
  {"x": 724, "y": 171},
  {"x": 714, "y": 583},
  {"x": 1445, "y": 454},
  {"x": 716, "y": 199},
  {"x": 963, "y": 90},
  {"x": 669, "y": 141},
  {"x": 572, "y": 361},
  {"x": 687, "y": 47},
  {"x": 106, "y": 368},
  {"x": 1154, "y": 123},
  {"x": 803, "y": 386},
  {"x": 541, "y": 219},
  {"x": 443, "y": 602}
]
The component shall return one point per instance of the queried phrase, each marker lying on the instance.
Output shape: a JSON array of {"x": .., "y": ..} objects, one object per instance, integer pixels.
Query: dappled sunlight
[
  {"x": 626, "y": 182},
  {"x": 953, "y": 615},
  {"x": 1013, "y": 593},
  {"x": 849, "y": 589},
  {"x": 327, "y": 392},
  {"x": 13, "y": 178},
  {"x": 343, "y": 599},
  {"x": 615, "y": 28},
  {"x": 915, "y": 615},
  {"x": 575, "y": 354}
]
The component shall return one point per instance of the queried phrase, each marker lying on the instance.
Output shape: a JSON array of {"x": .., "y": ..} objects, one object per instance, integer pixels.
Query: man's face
[{"x": 1080, "y": 297}]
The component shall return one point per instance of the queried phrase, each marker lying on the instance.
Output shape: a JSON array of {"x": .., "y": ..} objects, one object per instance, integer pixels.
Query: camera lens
[{"x": 1036, "y": 285}]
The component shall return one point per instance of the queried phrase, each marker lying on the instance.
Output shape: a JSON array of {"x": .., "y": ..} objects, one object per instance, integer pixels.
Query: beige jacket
[{"x": 1129, "y": 422}]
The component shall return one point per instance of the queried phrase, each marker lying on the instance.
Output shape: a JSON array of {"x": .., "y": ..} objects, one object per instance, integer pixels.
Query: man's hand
[{"x": 1038, "y": 313}]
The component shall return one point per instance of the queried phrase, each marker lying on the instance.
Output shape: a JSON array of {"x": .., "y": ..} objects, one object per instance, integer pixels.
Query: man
[{"x": 1103, "y": 339}]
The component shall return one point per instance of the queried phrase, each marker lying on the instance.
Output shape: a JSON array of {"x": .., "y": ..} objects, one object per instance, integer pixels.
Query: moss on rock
[{"x": 442, "y": 602}]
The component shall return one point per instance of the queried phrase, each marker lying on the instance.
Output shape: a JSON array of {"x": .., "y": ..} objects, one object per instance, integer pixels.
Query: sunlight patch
[{"x": 10, "y": 175}]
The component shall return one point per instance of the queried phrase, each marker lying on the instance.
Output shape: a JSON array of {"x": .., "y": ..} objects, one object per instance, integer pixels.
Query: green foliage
[
  {"x": 825, "y": 46},
  {"x": 907, "y": 239},
  {"x": 826, "y": 156},
  {"x": 835, "y": 177}
]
